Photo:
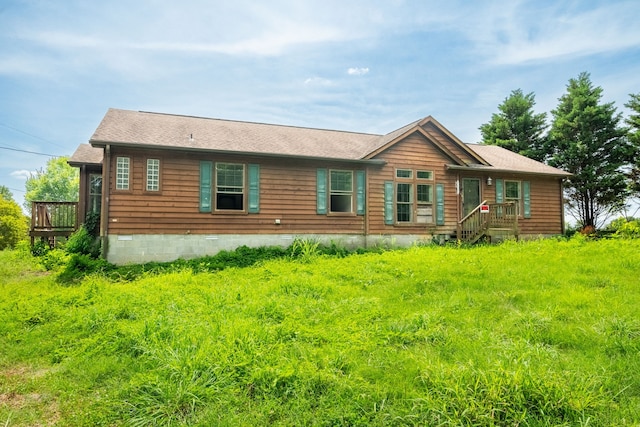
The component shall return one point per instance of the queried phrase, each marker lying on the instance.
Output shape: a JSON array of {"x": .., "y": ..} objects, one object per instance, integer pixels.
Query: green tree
[
  {"x": 5, "y": 192},
  {"x": 13, "y": 224},
  {"x": 586, "y": 139},
  {"x": 59, "y": 182},
  {"x": 634, "y": 139},
  {"x": 517, "y": 127}
]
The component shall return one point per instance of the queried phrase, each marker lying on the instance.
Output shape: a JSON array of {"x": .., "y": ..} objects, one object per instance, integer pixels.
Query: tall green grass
[{"x": 533, "y": 334}]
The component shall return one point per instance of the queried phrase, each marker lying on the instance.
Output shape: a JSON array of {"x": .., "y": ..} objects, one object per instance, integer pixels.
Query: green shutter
[
  {"x": 526, "y": 198},
  {"x": 439, "y": 204},
  {"x": 360, "y": 192},
  {"x": 388, "y": 202},
  {"x": 205, "y": 186},
  {"x": 321, "y": 192},
  {"x": 499, "y": 191},
  {"x": 254, "y": 188}
]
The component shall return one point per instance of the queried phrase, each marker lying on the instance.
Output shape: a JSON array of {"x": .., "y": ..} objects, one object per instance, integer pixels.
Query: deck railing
[
  {"x": 53, "y": 219},
  {"x": 487, "y": 217}
]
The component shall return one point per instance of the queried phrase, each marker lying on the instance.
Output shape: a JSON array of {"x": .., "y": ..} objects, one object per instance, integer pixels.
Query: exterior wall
[
  {"x": 546, "y": 202},
  {"x": 287, "y": 194},
  {"x": 415, "y": 152}
]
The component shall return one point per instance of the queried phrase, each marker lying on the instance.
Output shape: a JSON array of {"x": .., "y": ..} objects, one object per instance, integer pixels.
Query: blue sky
[{"x": 363, "y": 65}]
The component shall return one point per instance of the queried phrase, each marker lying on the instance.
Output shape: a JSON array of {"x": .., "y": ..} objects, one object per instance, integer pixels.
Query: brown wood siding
[
  {"x": 546, "y": 201},
  {"x": 415, "y": 152},
  {"x": 445, "y": 141},
  {"x": 287, "y": 193}
]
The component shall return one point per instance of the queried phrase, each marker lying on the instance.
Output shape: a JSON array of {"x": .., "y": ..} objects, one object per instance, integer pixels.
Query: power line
[
  {"x": 27, "y": 151},
  {"x": 28, "y": 134}
]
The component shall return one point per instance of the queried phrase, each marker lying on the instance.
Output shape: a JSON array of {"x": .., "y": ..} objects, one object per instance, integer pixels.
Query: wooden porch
[
  {"x": 52, "y": 220},
  {"x": 489, "y": 220}
]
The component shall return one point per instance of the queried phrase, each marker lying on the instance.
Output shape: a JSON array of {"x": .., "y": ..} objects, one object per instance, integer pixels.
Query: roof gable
[{"x": 435, "y": 133}]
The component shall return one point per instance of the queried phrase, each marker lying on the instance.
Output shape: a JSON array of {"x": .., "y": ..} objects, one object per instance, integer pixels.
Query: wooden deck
[
  {"x": 489, "y": 220},
  {"x": 52, "y": 220}
]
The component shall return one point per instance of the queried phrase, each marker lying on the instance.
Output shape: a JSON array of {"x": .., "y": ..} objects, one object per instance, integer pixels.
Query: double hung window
[
  {"x": 414, "y": 196},
  {"x": 341, "y": 187},
  {"x": 229, "y": 186}
]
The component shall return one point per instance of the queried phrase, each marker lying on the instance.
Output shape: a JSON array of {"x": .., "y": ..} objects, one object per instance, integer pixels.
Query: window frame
[
  {"x": 517, "y": 200},
  {"x": 94, "y": 198},
  {"x": 341, "y": 193},
  {"x": 157, "y": 188},
  {"x": 121, "y": 176},
  {"x": 216, "y": 189},
  {"x": 411, "y": 179}
]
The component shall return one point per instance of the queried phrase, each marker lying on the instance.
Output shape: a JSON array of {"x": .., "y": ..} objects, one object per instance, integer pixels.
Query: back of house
[{"x": 169, "y": 186}]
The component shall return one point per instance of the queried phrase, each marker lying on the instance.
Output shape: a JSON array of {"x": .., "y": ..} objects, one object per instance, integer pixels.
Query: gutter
[{"x": 491, "y": 169}]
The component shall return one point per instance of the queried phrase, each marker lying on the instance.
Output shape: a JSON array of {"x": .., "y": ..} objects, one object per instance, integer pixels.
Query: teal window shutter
[
  {"x": 388, "y": 202},
  {"x": 439, "y": 204},
  {"x": 205, "y": 186},
  {"x": 499, "y": 191},
  {"x": 360, "y": 192},
  {"x": 321, "y": 192},
  {"x": 254, "y": 188},
  {"x": 526, "y": 198}
]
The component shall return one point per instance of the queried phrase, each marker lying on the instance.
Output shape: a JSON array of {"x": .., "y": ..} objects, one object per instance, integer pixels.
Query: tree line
[{"x": 586, "y": 137}]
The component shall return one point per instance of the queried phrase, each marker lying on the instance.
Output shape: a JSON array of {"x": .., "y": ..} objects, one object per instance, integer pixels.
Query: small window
[
  {"x": 153, "y": 175},
  {"x": 425, "y": 175},
  {"x": 341, "y": 187},
  {"x": 404, "y": 173},
  {"x": 512, "y": 193},
  {"x": 95, "y": 192},
  {"x": 404, "y": 202},
  {"x": 122, "y": 173},
  {"x": 229, "y": 186}
]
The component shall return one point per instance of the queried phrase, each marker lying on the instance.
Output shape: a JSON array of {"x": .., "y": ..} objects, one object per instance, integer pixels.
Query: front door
[{"x": 470, "y": 195}]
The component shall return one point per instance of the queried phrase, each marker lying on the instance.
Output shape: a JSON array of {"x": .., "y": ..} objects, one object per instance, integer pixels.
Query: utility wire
[
  {"x": 29, "y": 134},
  {"x": 27, "y": 151}
]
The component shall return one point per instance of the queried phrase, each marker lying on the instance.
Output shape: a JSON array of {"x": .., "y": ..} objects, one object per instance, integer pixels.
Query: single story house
[{"x": 169, "y": 186}]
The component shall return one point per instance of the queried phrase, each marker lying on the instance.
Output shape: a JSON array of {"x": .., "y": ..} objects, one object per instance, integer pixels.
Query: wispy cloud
[
  {"x": 358, "y": 71},
  {"x": 22, "y": 174}
]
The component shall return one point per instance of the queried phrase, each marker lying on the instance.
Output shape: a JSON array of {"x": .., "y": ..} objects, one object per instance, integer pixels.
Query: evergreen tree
[
  {"x": 586, "y": 140},
  {"x": 634, "y": 139},
  {"x": 517, "y": 127}
]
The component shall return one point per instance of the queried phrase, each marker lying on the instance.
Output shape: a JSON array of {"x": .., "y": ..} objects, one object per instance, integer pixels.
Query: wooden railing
[
  {"x": 52, "y": 219},
  {"x": 487, "y": 218}
]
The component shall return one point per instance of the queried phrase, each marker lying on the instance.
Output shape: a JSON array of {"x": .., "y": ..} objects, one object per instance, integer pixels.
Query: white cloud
[
  {"x": 22, "y": 174},
  {"x": 357, "y": 71},
  {"x": 318, "y": 81}
]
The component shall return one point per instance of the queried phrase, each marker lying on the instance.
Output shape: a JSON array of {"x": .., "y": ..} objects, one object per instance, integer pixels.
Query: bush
[
  {"x": 81, "y": 265},
  {"x": 84, "y": 243}
]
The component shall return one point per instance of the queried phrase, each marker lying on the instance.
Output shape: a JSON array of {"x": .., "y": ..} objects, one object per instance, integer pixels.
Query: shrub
[
  {"x": 80, "y": 265},
  {"x": 84, "y": 243}
]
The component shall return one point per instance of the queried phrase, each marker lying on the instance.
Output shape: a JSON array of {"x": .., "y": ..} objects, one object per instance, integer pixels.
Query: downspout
[{"x": 104, "y": 208}]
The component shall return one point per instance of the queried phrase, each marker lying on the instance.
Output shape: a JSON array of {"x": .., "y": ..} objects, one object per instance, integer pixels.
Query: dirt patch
[{"x": 41, "y": 406}]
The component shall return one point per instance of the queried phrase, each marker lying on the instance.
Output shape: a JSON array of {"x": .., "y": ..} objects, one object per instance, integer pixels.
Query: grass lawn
[{"x": 539, "y": 333}]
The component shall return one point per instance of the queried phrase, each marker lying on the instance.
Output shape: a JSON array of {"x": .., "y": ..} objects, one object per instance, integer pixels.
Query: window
[
  {"x": 229, "y": 186},
  {"x": 122, "y": 173},
  {"x": 341, "y": 187},
  {"x": 414, "y": 196},
  {"x": 512, "y": 193},
  {"x": 95, "y": 192},
  {"x": 153, "y": 175}
]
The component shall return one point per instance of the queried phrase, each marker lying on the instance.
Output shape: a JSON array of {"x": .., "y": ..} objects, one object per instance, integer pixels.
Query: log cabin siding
[
  {"x": 287, "y": 193},
  {"x": 417, "y": 153}
]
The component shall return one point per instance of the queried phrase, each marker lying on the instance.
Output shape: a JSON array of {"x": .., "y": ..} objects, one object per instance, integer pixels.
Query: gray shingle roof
[
  {"x": 156, "y": 130},
  {"x": 196, "y": 133},
  {"x": 504, "y": 160},
  {"x": 87, "y": 155}
]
